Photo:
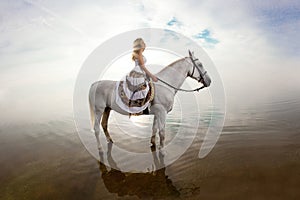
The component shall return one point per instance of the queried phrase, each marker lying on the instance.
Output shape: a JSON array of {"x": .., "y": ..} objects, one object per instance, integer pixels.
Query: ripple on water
[{"x": 259, "y": 148}]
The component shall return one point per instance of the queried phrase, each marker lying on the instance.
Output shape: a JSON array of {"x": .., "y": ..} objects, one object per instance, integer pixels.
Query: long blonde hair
[{"x": 137, "y": 45}]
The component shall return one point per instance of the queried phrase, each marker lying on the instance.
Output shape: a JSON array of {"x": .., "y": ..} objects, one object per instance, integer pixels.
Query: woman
[
  {"x": 133, "y": 93},
  {"x": 137, "y": 56}
]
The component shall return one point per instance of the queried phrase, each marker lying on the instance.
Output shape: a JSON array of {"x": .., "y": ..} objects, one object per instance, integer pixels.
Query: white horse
[{"x": 102, "y": 96}]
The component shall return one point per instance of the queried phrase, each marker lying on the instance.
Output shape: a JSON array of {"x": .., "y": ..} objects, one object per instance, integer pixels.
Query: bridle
[{"x": 195, "y": 66}]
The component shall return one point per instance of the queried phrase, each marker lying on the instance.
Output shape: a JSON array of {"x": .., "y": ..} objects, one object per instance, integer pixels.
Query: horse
[{"x": 170, "y": 79}]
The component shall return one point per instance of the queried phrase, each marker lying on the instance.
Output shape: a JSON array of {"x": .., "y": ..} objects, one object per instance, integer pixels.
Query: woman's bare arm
[{"x": 142, "y": 64}]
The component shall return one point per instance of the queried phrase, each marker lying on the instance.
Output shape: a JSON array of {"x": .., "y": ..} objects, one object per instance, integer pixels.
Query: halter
[{"x": 201, "y": 77}]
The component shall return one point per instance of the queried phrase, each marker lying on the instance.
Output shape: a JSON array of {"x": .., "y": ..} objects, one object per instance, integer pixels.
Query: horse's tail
[{"x": 92, "y": 94}]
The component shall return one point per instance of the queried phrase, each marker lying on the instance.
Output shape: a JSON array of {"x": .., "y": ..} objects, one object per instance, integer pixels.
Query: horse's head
[{"x": 198, "y": 72}]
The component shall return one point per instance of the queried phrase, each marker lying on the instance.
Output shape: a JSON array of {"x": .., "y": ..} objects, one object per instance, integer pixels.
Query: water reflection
[{"x": 155, "y": 184}]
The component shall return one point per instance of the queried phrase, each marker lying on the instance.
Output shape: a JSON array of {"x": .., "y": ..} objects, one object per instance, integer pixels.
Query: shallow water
[{"x": 256, "y": 157}]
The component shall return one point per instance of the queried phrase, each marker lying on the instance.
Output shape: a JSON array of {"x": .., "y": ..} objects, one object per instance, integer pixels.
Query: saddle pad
[{"x": 134, "y": 106}]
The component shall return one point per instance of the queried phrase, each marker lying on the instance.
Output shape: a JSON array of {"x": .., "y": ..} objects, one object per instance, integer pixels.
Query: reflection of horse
[
  {"x": 102, "y": 96},
  {"x": 152, "y": 185}
]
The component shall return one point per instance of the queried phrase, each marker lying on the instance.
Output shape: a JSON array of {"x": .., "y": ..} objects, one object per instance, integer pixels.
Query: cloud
[{"x": 44, "y": 43}]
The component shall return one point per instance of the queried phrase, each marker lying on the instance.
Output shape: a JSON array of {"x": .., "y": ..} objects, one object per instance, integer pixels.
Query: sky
[{"x": 255, "y": 45}]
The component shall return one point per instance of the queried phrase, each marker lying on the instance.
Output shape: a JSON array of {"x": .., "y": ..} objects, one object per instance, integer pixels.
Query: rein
[
  {"x": 185, "y": 90},
  {"x": 179, "y": 89}
]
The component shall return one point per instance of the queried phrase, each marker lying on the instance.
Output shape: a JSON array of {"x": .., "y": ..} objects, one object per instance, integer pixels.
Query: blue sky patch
[
  {"x": 206, "y": 36},
  {"x": 280, "y": 22},
  {"x": 275, "y": 17},
  {"x": 174, "y": 22},
  {"x": 169, "y": 35}
]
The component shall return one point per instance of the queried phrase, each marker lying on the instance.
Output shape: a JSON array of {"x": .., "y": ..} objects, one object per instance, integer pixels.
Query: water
[{"x": 256, "y": 157}]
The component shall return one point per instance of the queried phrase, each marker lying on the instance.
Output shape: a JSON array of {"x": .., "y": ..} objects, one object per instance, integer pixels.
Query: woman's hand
[{"x": 154, "y": 78}]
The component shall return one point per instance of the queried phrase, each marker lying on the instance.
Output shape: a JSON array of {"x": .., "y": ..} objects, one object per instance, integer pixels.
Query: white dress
[{"x": 132, "y": 92}]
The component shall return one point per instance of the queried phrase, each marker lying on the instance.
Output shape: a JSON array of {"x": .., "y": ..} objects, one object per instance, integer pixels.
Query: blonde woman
[
  {"x": 137, "y": 56},
  {"x": 133, "y": 90}
]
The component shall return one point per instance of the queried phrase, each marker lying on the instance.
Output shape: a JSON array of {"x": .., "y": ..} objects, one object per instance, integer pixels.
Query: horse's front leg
[
  {"x": 161, "y": 126},
  {"x": 159, "y": 123},
  {"x": 154, "y": 130},
  {"x": 162, "y": 137}
]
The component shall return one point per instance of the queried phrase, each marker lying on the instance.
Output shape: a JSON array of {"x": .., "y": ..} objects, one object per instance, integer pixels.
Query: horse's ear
[{"x": 191, "y": 54}]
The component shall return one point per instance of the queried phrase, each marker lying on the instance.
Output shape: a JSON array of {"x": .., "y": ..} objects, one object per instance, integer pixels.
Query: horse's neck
[{"x": 175, "y": 74}]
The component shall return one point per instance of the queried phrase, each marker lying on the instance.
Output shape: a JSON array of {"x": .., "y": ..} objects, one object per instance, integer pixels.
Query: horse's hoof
[
  {"x": 153, "y": 143},
  {"x": 109, "y": 140},
  {"x": 161, "y": 145},
  {"x": 153, "y": 147},
  {"x": 153, "y": 140},
  {"x": 163, "y": 152}
]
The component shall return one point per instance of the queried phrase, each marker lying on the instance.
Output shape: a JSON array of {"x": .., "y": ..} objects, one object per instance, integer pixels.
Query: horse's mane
[
  {"x": 171, "y": 64},
  {"x": 176, "y": 61}
]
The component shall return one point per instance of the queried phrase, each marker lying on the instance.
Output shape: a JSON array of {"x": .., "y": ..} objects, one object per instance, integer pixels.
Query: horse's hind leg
[
  {"x": 104, "y": 122},
  {"x": 98, "y": 114}
]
